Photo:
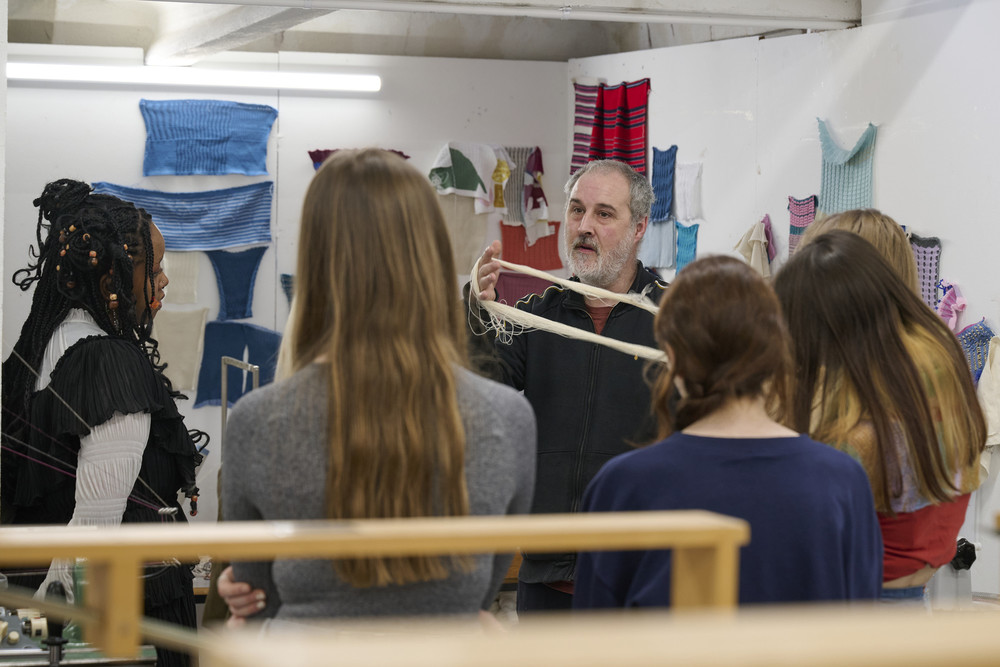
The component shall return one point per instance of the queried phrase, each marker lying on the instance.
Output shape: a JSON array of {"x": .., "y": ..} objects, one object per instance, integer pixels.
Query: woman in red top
[{"x": 880, "y": 376}]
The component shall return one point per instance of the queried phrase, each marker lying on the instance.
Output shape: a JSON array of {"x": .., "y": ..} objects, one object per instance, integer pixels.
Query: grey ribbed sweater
[{"x": 274, "y": 468}]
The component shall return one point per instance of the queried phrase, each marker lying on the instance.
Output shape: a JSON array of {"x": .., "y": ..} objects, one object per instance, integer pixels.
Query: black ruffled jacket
[{"x": 96, "y": 377}]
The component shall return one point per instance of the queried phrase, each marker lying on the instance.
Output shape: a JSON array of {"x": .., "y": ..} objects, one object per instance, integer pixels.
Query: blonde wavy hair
[
  {"x": 376, "y": 297},
  {"x": 878, "y": 229}
]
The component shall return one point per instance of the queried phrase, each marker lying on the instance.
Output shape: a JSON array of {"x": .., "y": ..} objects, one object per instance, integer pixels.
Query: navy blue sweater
[{"x": 814, "y": 534}]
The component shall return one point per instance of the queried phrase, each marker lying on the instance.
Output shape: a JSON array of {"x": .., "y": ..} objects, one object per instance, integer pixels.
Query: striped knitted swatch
[
  {"x": 205, "y": 137},
  {"x": 513, "y": 190},
  {"x": 320, "y": 155},
  {"x": 975, "y": 342},
  {"x": 847, "y": 174},
  {"x": 620, "y": 124},
  {"x": 687, "y": 244},
  {"x": 584, "y": 110},
  {"x": 206, "y": 220},
  {"x": 927, "y": 252},
  {"x": 663, "y": 183},
  {"x": 801, "y": 213}
]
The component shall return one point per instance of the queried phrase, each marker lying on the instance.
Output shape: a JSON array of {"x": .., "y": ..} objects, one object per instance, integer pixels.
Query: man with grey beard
[{"x": 590, "y": 402}]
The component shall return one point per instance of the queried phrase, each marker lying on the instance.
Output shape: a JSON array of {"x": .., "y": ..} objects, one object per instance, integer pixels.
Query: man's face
[{"x": 601, "y": 240}]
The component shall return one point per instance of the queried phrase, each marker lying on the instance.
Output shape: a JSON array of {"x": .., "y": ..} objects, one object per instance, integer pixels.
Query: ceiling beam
[
  {"x": 796, "y": 14},
  {"x": 203, "y": 35}
]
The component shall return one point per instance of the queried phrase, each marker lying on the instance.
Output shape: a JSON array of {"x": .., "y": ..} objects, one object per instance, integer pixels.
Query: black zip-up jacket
[{"x": 590, "y": 402}]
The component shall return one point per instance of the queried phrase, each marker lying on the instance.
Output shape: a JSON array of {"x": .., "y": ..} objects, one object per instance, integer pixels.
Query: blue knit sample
[
  {"x": 232, "y": 339},
  {"x": 663, "y": 183},
  {"x": 975, "y": 341},
  {"x": 206, "y": 220},
  {"x": 847, "y": 174},
  {"x": 205, "y": 137},
  {"x": 288, "y": 286},
  {"x": 687, "y": 244},
  {"x": 659, "y": 245},
  {"x": 236, "y": 273}
]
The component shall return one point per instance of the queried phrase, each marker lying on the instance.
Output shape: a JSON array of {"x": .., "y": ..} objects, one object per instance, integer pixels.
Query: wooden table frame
[{"x": 705, "y": 551}]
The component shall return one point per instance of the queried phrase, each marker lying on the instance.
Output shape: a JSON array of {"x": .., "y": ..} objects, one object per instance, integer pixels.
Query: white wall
[
  {"x": 96, "y": 133},
  {"x": 922, "y": 72}
]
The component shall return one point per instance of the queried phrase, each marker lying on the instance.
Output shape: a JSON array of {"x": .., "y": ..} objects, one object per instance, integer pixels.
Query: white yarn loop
[{"x": 508, "y": 321}]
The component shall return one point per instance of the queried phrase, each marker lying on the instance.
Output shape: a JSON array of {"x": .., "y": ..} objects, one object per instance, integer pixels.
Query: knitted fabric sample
[
  {"x": 658, "y": 248},
  {"x": 514, "y": 189},
  {"x": 847, "y": 174},
  {"x": 975, "y": 342},
  {"x": 687, "y": 244},
  {"x": 801, "y": 213},
  {"x": 235, "y": 339},
  {"x": 543, "y": 254},
  {"x": 206, "y": 220},
  {"x": 512, "y": 287},
  {"x": 772, "y": 252},
  {"x": 687, "y": 191},
  {"x": 584, "y": 110},
  {"x": 663, "y": 183},
  {"x": 183, "y": 269},
  {"x": 988, "y": 393},
  {"x": 466, "y": 169},
  {"x": 236, "y": 273},
  {"x": 320, "y": 155},
  {"x": 288, "y": 286},
  {"x": 753, "y": 247},
  {"x": 536, "y": 206},
  {"x": 927, "y": 253},
  {"x": 205, "y": 137},
  {"x": 180, "y": 334},
  {"x": 951, "y": 304},
  {"x": 620, "y": 124}
]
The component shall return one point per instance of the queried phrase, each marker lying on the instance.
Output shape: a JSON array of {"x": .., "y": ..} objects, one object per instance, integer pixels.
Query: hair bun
[{"x": 60, "y": 196}]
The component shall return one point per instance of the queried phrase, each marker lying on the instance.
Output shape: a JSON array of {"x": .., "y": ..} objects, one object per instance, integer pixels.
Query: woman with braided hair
[{"x": 91, "y": 434}]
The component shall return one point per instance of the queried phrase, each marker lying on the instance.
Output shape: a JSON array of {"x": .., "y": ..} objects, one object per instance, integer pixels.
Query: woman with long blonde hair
[
  {"x": 879, "y": 376},
  {"x": 373, "y": 414}
]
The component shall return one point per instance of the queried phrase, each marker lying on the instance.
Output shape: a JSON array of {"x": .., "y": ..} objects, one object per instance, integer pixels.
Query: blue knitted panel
[
  {"x": 687, "y": 244},
  {"x": 663, "y": 183},
  {"x": 975, "y": 342},
  {"x": 847, "y": 174},
  {"x": 205, "y": 137},
  {"x": 659, "y": 245},
  {"x": 207, "y": 220}
]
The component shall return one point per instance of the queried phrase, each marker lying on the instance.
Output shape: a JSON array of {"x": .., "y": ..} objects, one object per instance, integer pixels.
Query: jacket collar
[{"x": 643, "y": 279}]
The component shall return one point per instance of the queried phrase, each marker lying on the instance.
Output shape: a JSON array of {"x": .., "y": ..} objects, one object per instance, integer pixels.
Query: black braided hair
[{"x": 83, "y": 238}]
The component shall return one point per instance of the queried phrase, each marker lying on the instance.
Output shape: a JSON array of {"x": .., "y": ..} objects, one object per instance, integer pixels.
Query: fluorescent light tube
[{"x": 194, "y": 76}]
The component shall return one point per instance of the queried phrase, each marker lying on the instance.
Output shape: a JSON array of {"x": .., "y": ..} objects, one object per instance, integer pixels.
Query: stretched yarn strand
[{"x": 501, "y": 313}]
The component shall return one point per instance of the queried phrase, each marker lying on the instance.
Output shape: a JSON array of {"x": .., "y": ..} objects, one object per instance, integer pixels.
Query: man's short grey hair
[{"x": 640, "y": 192}]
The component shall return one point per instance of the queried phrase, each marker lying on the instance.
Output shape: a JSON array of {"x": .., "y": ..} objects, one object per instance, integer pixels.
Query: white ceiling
[{"x": 180, "y": 32}]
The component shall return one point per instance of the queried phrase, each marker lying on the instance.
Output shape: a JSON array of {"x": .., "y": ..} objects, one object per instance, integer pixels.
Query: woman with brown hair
[
  {"x": 813, "y": 527},
  {"x": 879, "y": 376},
  {"x": 374, "y": 414}
]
